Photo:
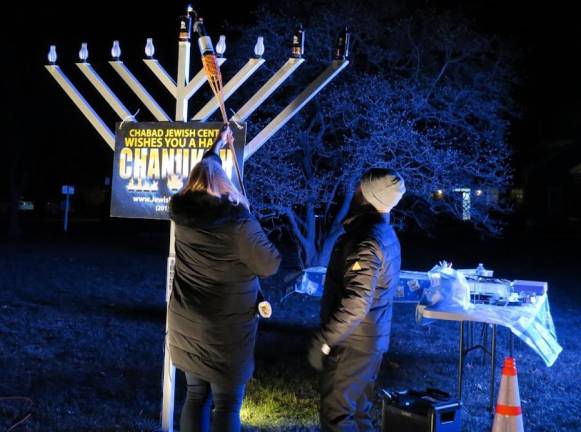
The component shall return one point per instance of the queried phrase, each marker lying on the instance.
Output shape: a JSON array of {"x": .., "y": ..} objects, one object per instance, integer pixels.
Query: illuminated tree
[{"x": 424, "y": 94}]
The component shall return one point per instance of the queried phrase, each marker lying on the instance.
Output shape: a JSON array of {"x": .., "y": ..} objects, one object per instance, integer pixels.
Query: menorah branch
[
  {"x": 139, "y": 90},
  {"x": 161, "y": 74},
  {"x": 237, "y": 80},
  {"x": 295, "y": 106},
  {"x": 105, "y": 91},
  {"x": 82, "y": 104},
  {"x": 268, "y": 88}
]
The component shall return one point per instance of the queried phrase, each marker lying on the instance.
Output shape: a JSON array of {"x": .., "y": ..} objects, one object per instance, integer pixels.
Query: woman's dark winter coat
[{"x": 220, "y": 251}]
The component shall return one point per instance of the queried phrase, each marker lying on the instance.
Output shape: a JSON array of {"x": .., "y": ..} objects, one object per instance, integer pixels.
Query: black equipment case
[{"x": 414, "y": 411}]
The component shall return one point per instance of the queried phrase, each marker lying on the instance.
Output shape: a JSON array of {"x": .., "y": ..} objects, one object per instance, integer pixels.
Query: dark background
[
  {"x": 47, "y": 142},
  {"x": 83, "y": 314}
]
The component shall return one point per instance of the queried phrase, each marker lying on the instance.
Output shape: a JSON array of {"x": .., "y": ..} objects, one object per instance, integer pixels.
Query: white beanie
[{"x": 382, "y": 188}]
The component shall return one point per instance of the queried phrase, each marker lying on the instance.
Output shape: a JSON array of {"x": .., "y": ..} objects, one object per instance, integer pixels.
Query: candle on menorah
[
  {"x": 52, "y": 56},
  {"x": 103, "y": 89},
  {"x": 149, "y": 48},
  {"x": 221, "y": 46},
  {"x": 116, "y": 50},
  {"x": 83, "y": 52}
]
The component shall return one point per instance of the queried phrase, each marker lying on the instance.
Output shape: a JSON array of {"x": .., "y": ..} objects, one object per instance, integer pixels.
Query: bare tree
[{"x": 424, "y": 94}]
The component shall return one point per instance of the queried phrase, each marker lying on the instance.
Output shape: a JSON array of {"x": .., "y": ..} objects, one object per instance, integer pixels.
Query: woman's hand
[
  {"x": 230, "y": 136},
  {"x": 226, "y": 136}
]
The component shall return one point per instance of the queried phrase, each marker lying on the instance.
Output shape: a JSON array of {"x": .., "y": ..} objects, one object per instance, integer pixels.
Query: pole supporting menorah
[{"x": 182, "y": 89}]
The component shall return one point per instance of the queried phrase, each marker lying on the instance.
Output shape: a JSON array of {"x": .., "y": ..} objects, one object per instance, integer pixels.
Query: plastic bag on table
[{"x": 448, "y": 289}]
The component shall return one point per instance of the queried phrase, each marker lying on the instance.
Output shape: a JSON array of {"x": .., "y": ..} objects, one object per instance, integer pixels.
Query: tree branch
[
  {"x": 441, "y": 74},
  {"x": 292, "y": 217}
]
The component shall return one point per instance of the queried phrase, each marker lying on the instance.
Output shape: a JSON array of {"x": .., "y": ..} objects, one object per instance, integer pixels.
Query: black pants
[
  {"x": 346, "y": 387},
  {"x": 197, "y": 408}
]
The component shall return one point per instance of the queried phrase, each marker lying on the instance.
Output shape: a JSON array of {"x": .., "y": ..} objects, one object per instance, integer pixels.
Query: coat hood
[
  {"x": 364, "y": 216},
  {"x": 199, "y": 209}
]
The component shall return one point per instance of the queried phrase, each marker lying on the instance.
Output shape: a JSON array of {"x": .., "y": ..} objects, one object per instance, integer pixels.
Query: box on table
[
  {"x": 411, "y": 286},
  {"x": 529, "y": 287}
]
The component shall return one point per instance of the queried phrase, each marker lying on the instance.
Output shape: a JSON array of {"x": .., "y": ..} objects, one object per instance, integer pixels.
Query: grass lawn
[{"x": 81, "y": 334}]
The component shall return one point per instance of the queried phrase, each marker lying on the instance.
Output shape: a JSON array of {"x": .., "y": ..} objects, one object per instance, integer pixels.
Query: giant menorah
[{"x": 183, "y": 89}]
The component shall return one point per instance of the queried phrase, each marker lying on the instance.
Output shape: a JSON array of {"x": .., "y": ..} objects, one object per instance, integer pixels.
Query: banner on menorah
[{"x": 153, "y": 160}]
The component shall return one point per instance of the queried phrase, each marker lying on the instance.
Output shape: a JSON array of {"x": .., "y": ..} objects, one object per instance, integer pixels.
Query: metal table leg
[
  {"x": 492, "y": 368},
  {"x": 470, "y": 334},
  {"x": 484, "y": 342},
  {"x": 460, "y": 362}
]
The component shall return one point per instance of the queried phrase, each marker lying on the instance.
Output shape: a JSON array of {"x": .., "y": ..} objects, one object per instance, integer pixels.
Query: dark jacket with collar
[
  {"x": 220, "y": 251},
  {"x": 362, "y": 276}
]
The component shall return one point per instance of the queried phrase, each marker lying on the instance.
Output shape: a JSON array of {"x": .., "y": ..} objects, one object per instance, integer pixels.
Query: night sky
[{"x": 60, "y": 146}]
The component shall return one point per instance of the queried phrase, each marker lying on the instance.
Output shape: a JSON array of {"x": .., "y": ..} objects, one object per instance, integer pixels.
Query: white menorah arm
[
  {"x": 105, "y": 91},
  {"x": 82, "y": 104},
  {"x": 161, "y": 74},
  {"x": 268, "y": 88},
  {"x": 237, "y": 80},
  {"x": 294, "y": 107},
  {"x": 198, "y": 81},
  {"x": 139, "y": 90}
]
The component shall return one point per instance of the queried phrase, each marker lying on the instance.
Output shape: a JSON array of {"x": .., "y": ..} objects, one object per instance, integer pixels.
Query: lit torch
[{"x": 212, "y": 70}]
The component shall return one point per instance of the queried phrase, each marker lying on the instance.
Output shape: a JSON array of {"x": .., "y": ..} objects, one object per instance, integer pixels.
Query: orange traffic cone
[{"x": 508, "y": 416}]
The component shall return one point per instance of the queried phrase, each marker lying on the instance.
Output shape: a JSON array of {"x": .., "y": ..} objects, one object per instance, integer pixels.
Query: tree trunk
[
  {"x": 310, "y": 254},
  {"x": 323, "y": 255},
  {"x": 318, "y": 250},
  {"x": 304, "y": 231}
]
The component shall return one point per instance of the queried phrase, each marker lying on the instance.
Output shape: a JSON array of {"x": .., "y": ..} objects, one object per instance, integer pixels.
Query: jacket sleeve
[
  {"x": 256, "y": 250},
  {"x": 210, "y": 154},
  {"x": 362, "y": 268}
]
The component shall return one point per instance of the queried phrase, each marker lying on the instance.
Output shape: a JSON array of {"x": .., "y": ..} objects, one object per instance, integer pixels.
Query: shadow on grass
[{"x": 147, "y": 313}]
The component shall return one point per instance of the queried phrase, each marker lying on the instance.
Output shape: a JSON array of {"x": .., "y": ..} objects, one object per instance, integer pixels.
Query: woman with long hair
[{"x": 220, "y": 251}]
